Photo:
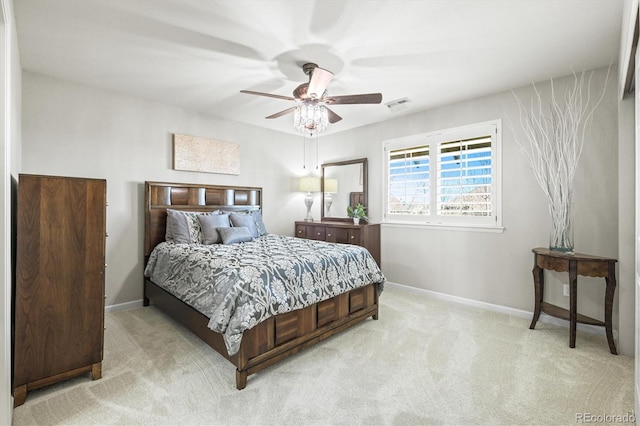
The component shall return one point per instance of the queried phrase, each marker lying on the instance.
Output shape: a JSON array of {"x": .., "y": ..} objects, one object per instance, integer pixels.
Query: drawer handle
[
  {"x": 318, "y": 233},
  {"x": 300, "y": 232},
  {"x": 328, "y": 235},
  {"x": 353, "y": 236}
]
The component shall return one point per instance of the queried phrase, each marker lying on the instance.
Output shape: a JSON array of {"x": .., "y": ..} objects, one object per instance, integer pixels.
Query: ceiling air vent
[{"x": 398, "y": 104}]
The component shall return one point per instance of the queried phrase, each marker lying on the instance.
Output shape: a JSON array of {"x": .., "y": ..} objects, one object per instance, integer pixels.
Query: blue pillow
[{"x": 235, "y": 235}]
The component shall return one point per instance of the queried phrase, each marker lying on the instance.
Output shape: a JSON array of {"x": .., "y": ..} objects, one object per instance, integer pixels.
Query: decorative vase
[
  {"x": 561, "y": 237},
  {"x": 555, "y": 131},
  {"x": 356, "y": 220}
]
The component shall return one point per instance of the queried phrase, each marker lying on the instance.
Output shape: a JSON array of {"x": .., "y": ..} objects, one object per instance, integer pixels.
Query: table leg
[
  {"x": 608, "y": 306},
  {"x": 573, "y": 302},
  {"x": 538, "y": 285}
]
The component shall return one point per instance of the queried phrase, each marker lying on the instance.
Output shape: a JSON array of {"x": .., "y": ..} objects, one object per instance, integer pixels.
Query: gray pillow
[
  {"x": 183, "y": 227},
  {"x": 246, "y": 221},
  {"x": 177, "y": 227},
  {"x": 235, "y": 235},
  {"x": 209, "y": 223},
  {"x": 257, "y": 216}
]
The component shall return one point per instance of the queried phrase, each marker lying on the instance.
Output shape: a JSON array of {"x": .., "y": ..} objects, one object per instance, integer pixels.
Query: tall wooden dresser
[
  {"x": 59, "y": 297},
  {"x": 367, "y": 236}
]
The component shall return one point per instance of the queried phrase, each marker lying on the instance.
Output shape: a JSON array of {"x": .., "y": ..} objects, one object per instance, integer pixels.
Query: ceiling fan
[{"x": 311, "y": 113}]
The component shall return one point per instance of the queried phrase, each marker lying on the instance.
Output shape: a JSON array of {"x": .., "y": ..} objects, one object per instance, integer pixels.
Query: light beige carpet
[{"x": 425, "y": 361}]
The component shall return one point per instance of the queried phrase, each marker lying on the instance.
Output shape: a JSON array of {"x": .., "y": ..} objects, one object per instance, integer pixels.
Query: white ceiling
[{"x": 199, "y": 54}]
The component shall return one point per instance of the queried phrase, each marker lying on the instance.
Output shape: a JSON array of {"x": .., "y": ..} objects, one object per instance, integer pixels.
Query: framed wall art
[{"x": 197, "y": 154}]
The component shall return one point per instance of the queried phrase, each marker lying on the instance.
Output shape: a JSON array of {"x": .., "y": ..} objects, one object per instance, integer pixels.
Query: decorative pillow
[
  {"x": 209, "y": 223},
  {"x": 246, "y": 221},
  {"x": 183, "y": 227},
  {"x": 195, "y": 232},
  {"x": 235, "y": 235},
  {"x": 177, "y": 227},
  {"x": 257, "y": 216}
]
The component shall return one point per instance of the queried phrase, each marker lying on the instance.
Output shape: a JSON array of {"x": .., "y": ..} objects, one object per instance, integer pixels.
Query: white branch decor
[{"x": 555, "y": 135}]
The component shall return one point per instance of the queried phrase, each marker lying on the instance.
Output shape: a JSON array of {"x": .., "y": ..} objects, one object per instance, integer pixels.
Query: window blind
[
  {"x": 464, "y": 177},
  {"x": 408, "y": 181}
]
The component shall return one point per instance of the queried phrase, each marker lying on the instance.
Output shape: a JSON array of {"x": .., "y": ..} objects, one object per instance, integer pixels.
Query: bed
[{"x": 276, "y": 332}]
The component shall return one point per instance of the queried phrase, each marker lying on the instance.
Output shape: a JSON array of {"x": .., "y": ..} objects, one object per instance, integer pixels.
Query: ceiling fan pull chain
[
  {"x": 304, "y": 152},
  {"x": 317, "y": 153}
]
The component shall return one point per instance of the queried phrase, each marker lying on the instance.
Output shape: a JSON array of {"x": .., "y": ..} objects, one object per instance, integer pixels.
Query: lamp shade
[
  {"x": 309, "y": 184},
  {"x": 331, "y": 185}
]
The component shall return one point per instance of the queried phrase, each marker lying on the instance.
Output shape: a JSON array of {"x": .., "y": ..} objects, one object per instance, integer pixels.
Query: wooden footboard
[{"x": 278, "y": 337}]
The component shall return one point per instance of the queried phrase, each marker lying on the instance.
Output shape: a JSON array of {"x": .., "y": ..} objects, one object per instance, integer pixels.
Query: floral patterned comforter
[{"x": 240, "y": 285}]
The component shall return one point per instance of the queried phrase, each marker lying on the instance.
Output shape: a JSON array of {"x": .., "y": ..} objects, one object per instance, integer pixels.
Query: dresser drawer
[
  {"x": 301, "y": 231},
  {"x": 367, "y": 235},
  {"x": 343, "y": 235},
  {"x": 354, "y": 237},
  {"x": 311, "y": 232},
  {"x": 337, "y": 235},
  {"x": 317, "y": 233}
]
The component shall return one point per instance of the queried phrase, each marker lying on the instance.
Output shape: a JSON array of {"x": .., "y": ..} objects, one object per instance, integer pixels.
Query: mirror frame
[{"x": 365, "y": 195}]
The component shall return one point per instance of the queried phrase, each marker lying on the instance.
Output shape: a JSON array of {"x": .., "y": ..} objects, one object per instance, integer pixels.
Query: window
[{"x": 449, "y": 177}]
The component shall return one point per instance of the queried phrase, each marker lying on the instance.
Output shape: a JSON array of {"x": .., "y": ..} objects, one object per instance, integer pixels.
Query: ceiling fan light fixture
[{"x": 310, "y": 118}]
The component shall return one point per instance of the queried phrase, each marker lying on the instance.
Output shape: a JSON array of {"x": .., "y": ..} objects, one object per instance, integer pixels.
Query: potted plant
[{"x": 358, "y": 212}]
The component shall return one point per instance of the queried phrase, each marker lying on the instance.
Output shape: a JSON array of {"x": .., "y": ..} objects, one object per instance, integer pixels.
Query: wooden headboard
[{"x": 158, "y": 196}]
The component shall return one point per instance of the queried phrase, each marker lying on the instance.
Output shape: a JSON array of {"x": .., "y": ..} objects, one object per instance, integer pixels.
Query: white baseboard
[
  {"x": 123, "y": 306},
  {"x": 547, "y": 319}
]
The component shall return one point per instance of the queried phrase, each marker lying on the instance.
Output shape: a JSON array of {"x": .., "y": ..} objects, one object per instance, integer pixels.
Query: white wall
[
  {"x": 10, "y": 155},
  {"x": 496, "y": 268},
  {"x": 75, "y": 130}
]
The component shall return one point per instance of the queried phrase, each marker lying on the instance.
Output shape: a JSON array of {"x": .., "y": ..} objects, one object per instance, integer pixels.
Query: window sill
[{"x": 445, "y": 226}]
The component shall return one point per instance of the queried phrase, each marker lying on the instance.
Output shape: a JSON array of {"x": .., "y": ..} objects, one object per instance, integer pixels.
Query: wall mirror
[{"x": 343, "y": 183}]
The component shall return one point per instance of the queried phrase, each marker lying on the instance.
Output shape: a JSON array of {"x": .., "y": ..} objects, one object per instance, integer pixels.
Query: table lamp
[{"x": 309, "y": 184}]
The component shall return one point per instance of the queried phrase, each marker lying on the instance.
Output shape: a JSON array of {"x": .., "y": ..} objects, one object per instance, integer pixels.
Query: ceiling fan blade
[
  {"x": 281, "y": 113},
  {"x": 368, "y": 98},
  {"x": 333, "y": 117},
  {"x": 269, "y": 95},
  {"x": 319, "y": 81}
]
